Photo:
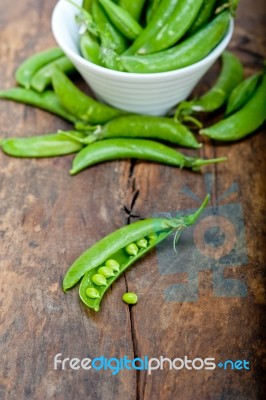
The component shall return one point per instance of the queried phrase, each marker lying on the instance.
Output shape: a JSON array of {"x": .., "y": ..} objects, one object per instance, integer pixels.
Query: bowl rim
[{"x": 212, "y": 56}]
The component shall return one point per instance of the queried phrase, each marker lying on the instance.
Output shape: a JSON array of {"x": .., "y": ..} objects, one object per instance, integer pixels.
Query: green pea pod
[
  {"x": 204, "y": 16},
  {"x": 117, "y": 41},
  {"x": 121, "y": 19},
  {"x": 47, "y": 101},
  {"x": 31, "y": 65},
  {"x": 143, "y": 126},
  {"x": 113, "y": 246},
  {"x": 90, "y": 48},
  {"x": 115, "y": 149},
  {"x": 230, "y": 76},
  {"x": 42, "y": 78},
  {"x": 133, "y": 7},
  {"x": 159, "y": 18},
  {"x": 79, "y": 104},
  {"x": 84, "y": 20},
  {"x": 151, "y": 8},
  {"x": 86, "y": 4},
  {"x": 51, "y": 145},
  {"x": 188, "y": 52},
  {"x": 245, "y": 121},
  {"x": 176, "y": 26},
  {"x": 242, "y": 93}
]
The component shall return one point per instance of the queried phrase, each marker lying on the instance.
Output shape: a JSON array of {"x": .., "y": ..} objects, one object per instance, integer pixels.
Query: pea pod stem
[
  {"x": 231, "y": 5},
  {"x": 114, "y": 149}
]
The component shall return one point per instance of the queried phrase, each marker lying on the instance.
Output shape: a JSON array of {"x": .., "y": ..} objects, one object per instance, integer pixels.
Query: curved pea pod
[
  {"x": 79, "y": 104},
  {"x": 242, "y": 93},
  {"x": 245, "y": 121},
  {"x": 50, "y": 145},
  {"x": 90, "y": 48},
  {"x": 144, "y": 126},
  {"x": 115, "y": 149},
  {"x": 186, "y": 53},
  {"x": 31, "y": 65},
  {"x": 133, "y": 7},
  {"x": 113, "y": 246},
  {"x": 47, "y": 101},
  {"x": 230, "y": 76},
  {"x": 121, "y": 19},
  {"x": 181, "y": 19},
  {"x": 204, "y": 15},
  {"x": 160, "y": 16},
  {"x": 42, "y": 78}
]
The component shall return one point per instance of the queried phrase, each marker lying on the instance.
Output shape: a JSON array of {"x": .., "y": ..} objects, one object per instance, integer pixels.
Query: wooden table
[{"x": 47, "y": 218}]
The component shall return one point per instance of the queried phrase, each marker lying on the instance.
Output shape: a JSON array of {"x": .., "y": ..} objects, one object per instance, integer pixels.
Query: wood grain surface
[{"x": 47, "y": 218}]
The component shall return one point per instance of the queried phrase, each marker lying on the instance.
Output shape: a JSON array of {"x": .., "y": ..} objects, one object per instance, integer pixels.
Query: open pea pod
[{"x": 119, "y": 250}]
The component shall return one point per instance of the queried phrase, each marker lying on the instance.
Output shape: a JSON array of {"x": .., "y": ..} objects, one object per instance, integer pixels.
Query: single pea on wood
[
  {"x": 130, "y": 298},
  {"x": 101, "y": 265}
]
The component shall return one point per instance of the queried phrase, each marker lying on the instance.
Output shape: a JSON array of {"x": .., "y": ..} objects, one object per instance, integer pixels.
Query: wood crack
[{"x": 130, "y": 215}]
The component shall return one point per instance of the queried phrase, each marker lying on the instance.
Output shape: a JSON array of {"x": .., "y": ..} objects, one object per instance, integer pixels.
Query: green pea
[
  {"x": 142, "y": 243},
  {"x": 113, "y": 264},
  {"x": 130, "y": 298},
  {"x": 92, "y": 293},
  {"x": 132, "y": 249},
  {"x": 106, "y": 272},
  {"x": 152, "y": 236},
  {"x": 99, "y": 280}
]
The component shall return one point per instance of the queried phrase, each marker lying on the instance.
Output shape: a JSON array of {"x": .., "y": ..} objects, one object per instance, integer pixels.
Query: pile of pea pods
[
  {"x": 102, "y": 133},
  {"x": 151, "y": 36}
]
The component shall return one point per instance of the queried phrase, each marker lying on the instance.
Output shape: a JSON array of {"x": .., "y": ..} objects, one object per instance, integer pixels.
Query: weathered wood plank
[{"x": 47, "y": 218}]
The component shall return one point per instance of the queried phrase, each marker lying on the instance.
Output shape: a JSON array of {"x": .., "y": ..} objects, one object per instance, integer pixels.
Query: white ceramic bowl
[{"x": 151, "y": 94}]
